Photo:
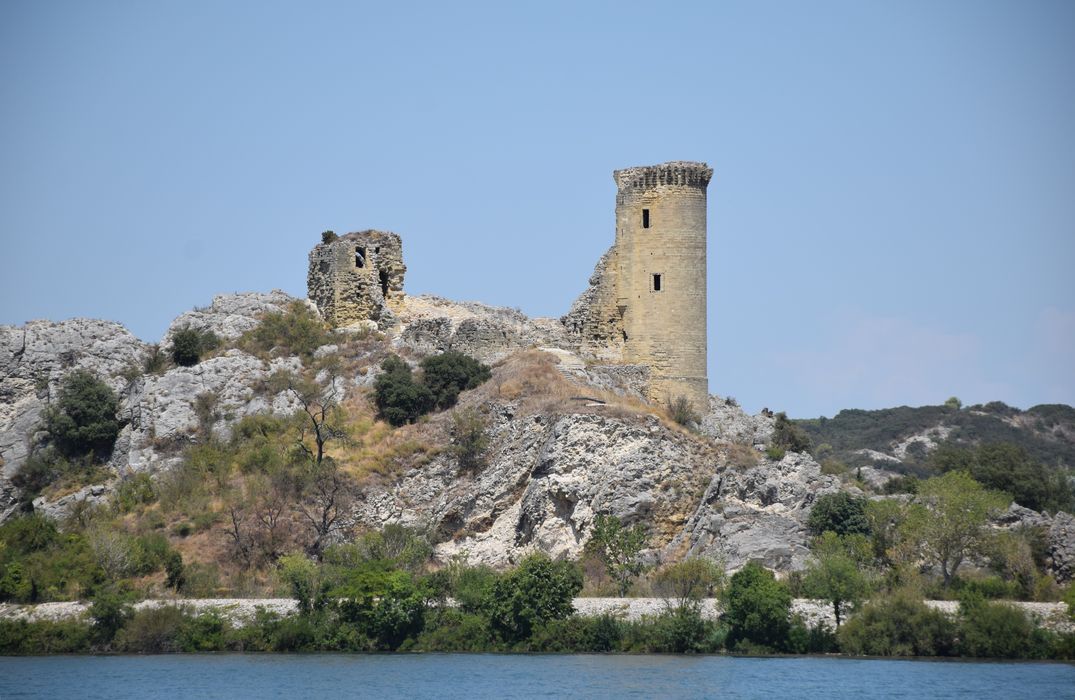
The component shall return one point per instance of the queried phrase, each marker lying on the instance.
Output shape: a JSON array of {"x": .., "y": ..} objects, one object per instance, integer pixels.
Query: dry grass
[
  {"x": 738, "y": 457},
  {"x": 377, "y": 451},
  {"x": 532, "y": 379}
]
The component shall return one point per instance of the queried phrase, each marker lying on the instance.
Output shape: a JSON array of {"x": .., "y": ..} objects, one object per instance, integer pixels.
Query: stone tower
[
  {"x": 357, "y": 278},
  {"x": 646, "y": 304}
]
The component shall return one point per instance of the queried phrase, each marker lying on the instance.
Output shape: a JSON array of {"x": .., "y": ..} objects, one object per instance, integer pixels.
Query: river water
[{"x": 521, "y": 676}]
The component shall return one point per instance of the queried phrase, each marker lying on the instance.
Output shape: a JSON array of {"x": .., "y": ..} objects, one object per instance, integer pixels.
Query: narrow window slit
[
  {"x": 645, "y": 218},
  {"x": 360, "y": 257},
  {"x": 656, "y": 283}
]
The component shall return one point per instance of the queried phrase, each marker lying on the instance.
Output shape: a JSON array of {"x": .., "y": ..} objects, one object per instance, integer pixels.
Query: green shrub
[
  {"x": 398, "y": 397},
  {"x": 535, "y": 592},
  {"x": 578, "y": 635},
  {"x": 839, "y": 512},
  {"x": 775, "y": 453},
  {"x": 899, "y": 625},
  {"x": 175, "y": 573},
  {"x": 189, "y": 345},
  {"x": 457, "y": 631},
  {"x": 757, "y": 608},
  {"x": 44, "y": 637},
  {"x": 152, "y": 631},
  {"x": 448, "y": 374},
  {"x": 134, "y": 491},
  {"x": 329, "y": 236},
  {"x": 83, "y": 421},
  {"x": 998, "y": 630},
  {"x": 296, "y": 331},
  {"x": 1009, "y": 468},
  {"x": 803, "y": 639},
  {"x": 471, "y": 440},
  {"x": 905, "y": 483},
  {"x": 788, "y": 435},
  {"x": 110, "y": 611}
]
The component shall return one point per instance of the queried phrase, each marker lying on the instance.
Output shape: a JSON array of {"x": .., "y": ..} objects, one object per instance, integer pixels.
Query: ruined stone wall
[
  {"x": 357, "y": 278},
  {"x": 646, "y": 303}
]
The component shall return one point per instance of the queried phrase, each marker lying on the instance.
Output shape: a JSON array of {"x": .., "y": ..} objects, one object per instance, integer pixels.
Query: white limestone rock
[{"x": 230, "y": 315}]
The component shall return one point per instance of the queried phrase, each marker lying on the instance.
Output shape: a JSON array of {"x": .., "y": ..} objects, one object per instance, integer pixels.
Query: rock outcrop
[
  {"x": 230, "y": 315},
  {"x": 33, "y": 361},
  {"x": 158, "y": 411},
  {"x": 430, "y": 324},
  {"x": 551, "y": 473}
]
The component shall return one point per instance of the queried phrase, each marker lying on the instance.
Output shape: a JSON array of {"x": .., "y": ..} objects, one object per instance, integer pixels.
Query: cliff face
[{"x": 568, "y": 440}]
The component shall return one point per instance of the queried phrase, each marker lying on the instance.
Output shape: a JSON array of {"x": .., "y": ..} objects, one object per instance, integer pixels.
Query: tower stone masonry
[
  {"x": 646, "y": 303},
  {"x": 357, "y": 278}
]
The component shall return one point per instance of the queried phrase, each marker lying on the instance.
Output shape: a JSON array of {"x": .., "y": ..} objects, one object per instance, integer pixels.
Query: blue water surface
[{"x": 521, "y": 676}]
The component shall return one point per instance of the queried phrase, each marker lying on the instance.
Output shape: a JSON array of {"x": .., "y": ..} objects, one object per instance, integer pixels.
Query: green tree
[
  {"x": 448, "y": 374},
  {"x": 535, "y": 592},
  {"x": 619, "y": 548},
  {"x": 757, "y": 607},
  {"x": 949, "y": 521},
  {"x": 839, "y": 512},
  {"x": 953, "y": 402},
  {"x": 837, "y": 571},
  {"x": 83, "y": 421}
]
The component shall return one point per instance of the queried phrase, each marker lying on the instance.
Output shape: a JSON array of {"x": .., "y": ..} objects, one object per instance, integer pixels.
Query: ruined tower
[
  {"x": 357, "y": 278},
  {"x": 646, "y": 304}
]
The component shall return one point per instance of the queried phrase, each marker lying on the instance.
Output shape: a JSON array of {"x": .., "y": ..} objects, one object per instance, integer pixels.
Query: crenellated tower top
[{"x": 680, "y": 173}]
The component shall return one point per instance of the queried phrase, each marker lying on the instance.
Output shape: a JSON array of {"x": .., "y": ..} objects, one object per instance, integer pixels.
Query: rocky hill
[
  {"x": 901, "y": 439},
  {"x": 568, "y": 439}
]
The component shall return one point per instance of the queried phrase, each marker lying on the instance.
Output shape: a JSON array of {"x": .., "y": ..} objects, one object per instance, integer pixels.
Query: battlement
[{"x": 674, "y": 173}]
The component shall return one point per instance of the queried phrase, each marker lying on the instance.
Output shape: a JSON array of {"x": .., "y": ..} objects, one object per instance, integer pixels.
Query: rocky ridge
[{"x": 580, "y": 443}]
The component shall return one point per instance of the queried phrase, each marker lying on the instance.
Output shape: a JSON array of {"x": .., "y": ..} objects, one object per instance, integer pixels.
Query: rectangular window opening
[
  {"x": 656, "y": 283},
  {"x": 645, "y": 218},
  {"x": 360, "y": 257}
]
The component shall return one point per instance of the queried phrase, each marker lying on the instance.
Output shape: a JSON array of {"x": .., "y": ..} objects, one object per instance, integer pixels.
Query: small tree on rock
[{"x": 619, "y": 548}]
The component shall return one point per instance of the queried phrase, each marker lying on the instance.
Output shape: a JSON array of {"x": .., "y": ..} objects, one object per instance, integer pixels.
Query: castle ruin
[
  {"x": 357, "y": 278},
  {"x": 646, "y": 303}
]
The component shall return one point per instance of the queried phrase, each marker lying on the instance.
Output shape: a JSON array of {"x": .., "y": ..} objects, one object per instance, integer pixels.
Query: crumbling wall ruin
[{"x": 357, "y": 278}]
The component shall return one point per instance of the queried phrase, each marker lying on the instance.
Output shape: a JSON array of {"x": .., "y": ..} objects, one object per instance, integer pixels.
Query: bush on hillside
[
  {"x": 448, "y": 374},
  {"x": 83, "y": 421},
  {"x": 789, "y": 436},
  {"x": 189, "y": 345},
  {"x": 398, "y": 397},
  {"x": 839, "y": 512},
  {"x": 297, "y": 331}
]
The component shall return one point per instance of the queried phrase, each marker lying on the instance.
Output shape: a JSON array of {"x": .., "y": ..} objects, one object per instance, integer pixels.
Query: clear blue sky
[{"x": 891, "y": 218}]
